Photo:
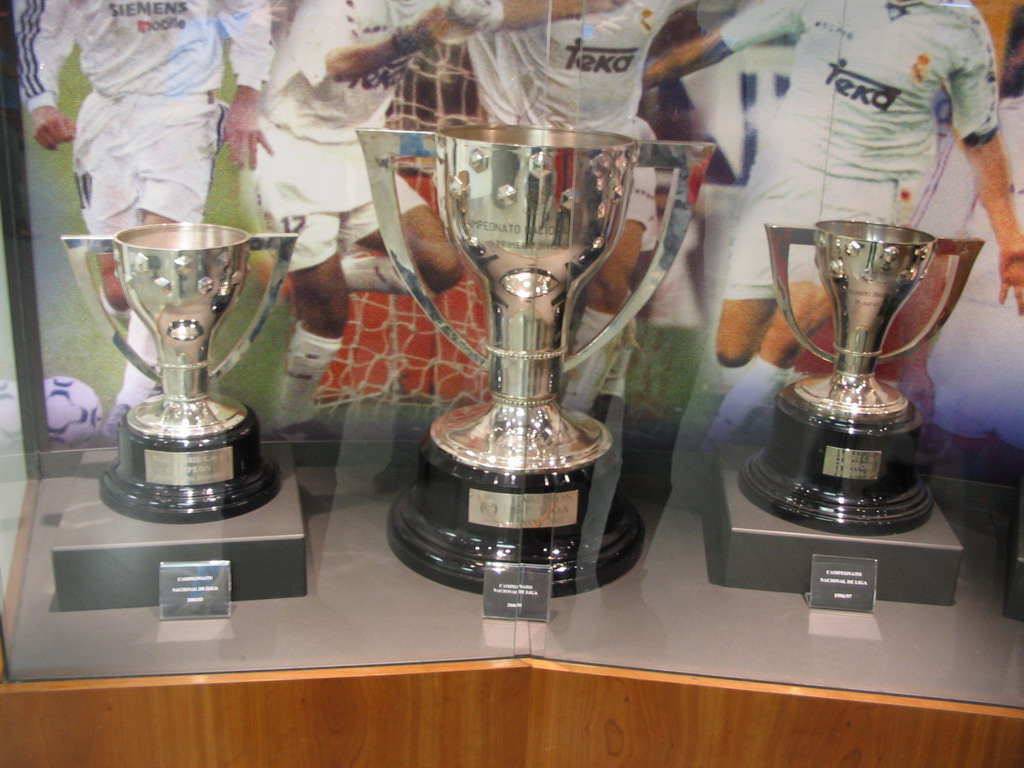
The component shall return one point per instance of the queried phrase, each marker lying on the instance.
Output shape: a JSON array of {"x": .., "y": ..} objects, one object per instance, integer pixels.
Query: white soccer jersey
[
  {"x": 166, "y": 48},
  {"x": 579, "y": 73},
  {"x": 865, "y": 73},
  {"x": 304, "y": 100}
]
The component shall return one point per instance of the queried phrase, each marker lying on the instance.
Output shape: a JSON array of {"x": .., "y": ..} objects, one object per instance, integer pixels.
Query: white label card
[{"x": 195, "y": 590}]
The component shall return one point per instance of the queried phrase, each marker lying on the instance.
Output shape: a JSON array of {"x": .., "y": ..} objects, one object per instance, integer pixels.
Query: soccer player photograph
[
  {"x": 975, "y": 366},
  {"x": 146, "y": 136},
  {"x": 854, "y": 138}
]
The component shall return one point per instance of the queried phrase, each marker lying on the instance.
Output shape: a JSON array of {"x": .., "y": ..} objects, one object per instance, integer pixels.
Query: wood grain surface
[{"x": 521, "y": 712}]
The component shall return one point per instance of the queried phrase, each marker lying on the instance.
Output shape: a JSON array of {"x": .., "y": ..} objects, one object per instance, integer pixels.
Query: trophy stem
[
  {"x": 852, "y": 363},
  {"x": 525, "y": 375},
  {"x": 185, "y": 382}
]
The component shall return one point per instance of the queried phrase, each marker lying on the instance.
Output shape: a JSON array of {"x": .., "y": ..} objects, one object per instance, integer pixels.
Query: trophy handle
[
  {"x": 965, "y": 251},
  {"x": 779, "y": 241},
  {"x": 282, "y": 245},
  {"x": 687, "y": 157},
  {"x": 80, "y": 249},
  {"x": 381, "y": 147}
]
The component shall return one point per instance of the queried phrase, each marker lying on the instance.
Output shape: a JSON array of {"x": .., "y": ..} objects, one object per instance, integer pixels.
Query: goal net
[{"x": 391, "y": 353}]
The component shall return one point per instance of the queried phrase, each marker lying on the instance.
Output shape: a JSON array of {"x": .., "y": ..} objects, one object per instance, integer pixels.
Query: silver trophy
[
  {"x": 842, "y": 450},
  {"x": 533, "y": 212},
  {"x": 184, "y": 455}
]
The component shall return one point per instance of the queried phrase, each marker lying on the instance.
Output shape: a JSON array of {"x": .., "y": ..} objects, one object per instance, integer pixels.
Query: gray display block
[
  {"x": 1013, "y": 607},
  {"x": 103, "y": 559},
  {"x": 752, "y": 549}
]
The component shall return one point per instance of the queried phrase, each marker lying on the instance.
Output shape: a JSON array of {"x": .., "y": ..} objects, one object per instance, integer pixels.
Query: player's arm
[
  {"x": 688, "y": 57},
  {"x": 759, "y": 23},
  {"x": 992, "y": 176},
  {"x": 351, "y": 62},
  {"x": 241, "y": 127},
  {"x": 251, "y": 51},
  {"x": 523, "y": 13},
  {"x": 46, "y": 40}
]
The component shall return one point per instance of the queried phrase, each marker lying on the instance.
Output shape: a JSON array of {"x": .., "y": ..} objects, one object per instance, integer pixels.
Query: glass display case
[{"x": 440, "y": 432}]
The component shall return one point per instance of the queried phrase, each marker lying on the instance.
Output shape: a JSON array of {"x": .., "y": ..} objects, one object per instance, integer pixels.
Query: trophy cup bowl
[
  {"x": 533, "y": 213},
  {"x": 184, "y": 455},
  {"x": 842, "y": 448}
]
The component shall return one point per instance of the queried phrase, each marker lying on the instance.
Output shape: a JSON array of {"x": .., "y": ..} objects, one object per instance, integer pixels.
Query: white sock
[
  {"x": 137, "y": 386},
  {"x": 307, "y": 360},
  {"x": 370, "y": 271},
  {"x": 756, "y": 386}
]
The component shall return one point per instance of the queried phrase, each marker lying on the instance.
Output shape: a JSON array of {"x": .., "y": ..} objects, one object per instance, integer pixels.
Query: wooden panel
[
  {"x": 622, "y": 719},
  {"x": 451, "y": 717},
  {"x": 506, "y": 713}
]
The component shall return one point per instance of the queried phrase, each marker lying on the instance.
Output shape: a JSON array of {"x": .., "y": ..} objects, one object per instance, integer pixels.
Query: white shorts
[
  {"x": 787, "y": 193},
  {"x": 321, "y": 192},
  {"x": 144, "y": 153}
]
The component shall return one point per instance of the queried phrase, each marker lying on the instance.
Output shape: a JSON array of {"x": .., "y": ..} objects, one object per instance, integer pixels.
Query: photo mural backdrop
[{"x": 243, "y": 113}]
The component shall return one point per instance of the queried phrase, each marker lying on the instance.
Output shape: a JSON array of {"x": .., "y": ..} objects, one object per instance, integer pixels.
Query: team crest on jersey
[
  {"x": 861, "y": 88},
  {"x": 594, "y": 59},
  {"x": 646, "y": 20},
  {"x": 920, "y": 68}
]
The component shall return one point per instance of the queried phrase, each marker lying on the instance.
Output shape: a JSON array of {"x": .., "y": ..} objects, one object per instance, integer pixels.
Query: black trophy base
[
  {"x": 1013, "y": 605},
  {"x": 748, "y": 549},
  {"x": 839, "y": 476},
  {"x": 196, "y": 479},
  {"x": 102, "y": 559},
  {"x": 455, "y": 520}
]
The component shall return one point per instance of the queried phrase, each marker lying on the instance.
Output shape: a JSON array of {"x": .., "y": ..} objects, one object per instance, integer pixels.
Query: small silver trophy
[
  {"x": 184, "y": 455},
  {"x": 842, "y": 449},
  {"x": 533, "y": 212}
]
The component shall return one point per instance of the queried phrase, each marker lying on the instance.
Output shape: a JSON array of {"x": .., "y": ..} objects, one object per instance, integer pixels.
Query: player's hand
[
  {"x": 435, "y": 24},
  {"x": 241, "y": 133},
  {"x": 51, "y": 127},
  {"x": 1011, "y": 275}
]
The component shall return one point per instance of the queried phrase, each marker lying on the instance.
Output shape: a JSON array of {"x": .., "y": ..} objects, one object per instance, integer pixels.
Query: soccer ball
[
  {"x": 10, "y": 417},
  {"x": 73, "y": 411}
]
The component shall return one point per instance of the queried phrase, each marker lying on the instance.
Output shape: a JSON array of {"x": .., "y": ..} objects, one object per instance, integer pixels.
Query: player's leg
[
  {"x": 779, "y": 193},
  {"x": 811, "y": 308},
  {"x": 319, "y": 302},
  {"x": 593, "y": 384},
  {"x": 742, "y": 324},
  {"x": 369, "y": 268},
  {"x": 603, "y": 375},
  {"x": 170, "y": 153},
  {"x": 435, "y": 256},
  {"x": 104, "y": 164}
]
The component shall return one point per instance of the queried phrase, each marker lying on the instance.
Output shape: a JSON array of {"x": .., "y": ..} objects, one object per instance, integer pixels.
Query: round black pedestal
[
  {"x": 432, "y": 530},
  {"x": 252, "y": 481},
  {"x": 839, "y": 476}
]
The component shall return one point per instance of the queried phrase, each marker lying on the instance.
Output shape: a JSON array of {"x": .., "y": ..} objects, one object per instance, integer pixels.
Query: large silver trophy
[
  {"x": 842, "y": 450},
  {"x": 184, "y": 455},
  {"x": 534, "y": 212}
]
